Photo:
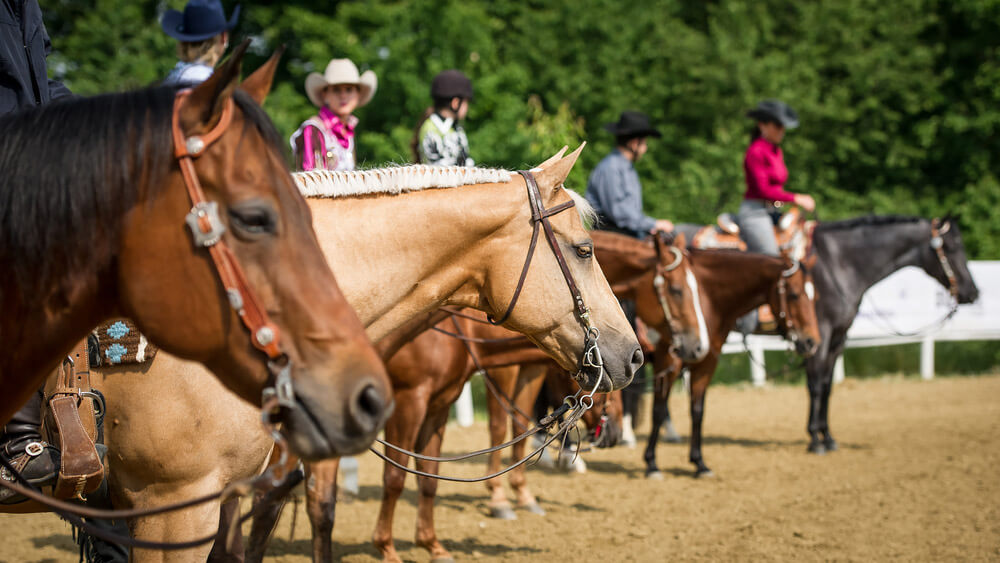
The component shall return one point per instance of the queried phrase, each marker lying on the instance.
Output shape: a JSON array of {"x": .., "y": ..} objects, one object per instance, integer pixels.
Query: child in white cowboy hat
[{"x": 326, "y": 140}]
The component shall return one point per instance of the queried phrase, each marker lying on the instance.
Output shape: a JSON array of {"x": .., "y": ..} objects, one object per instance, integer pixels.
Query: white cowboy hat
[{"x": 341, "y": 71}]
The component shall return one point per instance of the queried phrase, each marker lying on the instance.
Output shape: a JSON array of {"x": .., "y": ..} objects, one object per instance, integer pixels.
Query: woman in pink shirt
[{"x": 766, "y": 175}]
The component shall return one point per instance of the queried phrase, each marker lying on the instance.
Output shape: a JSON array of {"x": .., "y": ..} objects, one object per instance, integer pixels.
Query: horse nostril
[
  {"x": 368, "y": 409},
  {"x": 636, "y": 363}
]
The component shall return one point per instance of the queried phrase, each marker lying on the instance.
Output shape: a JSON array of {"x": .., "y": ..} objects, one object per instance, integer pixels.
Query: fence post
[
  {"x": 838, "y": 369},
  {"x": 758, "y": 371},
  {"x": 463, "y": 407},
  {"x": 927, "y": 358}
]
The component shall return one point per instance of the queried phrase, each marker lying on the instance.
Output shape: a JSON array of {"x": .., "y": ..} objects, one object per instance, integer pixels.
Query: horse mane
[
  {"x": 866, "y": 221},
  {"x": 71, "y": 171},
  {"x": 393, "y": 180}
]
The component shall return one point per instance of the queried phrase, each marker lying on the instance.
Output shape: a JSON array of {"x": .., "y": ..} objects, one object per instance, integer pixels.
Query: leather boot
[{"x": 22, "y": 446}]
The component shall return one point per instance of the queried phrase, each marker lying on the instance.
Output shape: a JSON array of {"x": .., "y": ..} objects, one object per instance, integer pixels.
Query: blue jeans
[{"x": 757, "y": 227}]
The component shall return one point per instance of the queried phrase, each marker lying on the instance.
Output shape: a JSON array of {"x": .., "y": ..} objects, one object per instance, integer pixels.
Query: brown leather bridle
[
  {"x": 207, "y": 229},
  {"x": 540, "y": 219},
  {"x": 659, "y": 280}
]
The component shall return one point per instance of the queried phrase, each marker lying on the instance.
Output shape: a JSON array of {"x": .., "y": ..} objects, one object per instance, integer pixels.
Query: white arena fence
[{"x": 908, "y": 301}]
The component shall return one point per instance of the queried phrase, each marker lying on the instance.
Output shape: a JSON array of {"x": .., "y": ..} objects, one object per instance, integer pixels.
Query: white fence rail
[{"x": 907, "y": 301}]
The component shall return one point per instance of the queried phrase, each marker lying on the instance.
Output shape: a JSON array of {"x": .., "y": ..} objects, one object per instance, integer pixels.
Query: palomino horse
[
  {"x": 96, "y": 230},
  {"x": 853, "y": 256},
  {"x": 457, "y": 246},
  {"x": 733, "y": 283}
]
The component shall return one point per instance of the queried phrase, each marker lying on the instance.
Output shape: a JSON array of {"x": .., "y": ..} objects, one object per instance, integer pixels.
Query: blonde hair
[{"x": 208, "y": 51}]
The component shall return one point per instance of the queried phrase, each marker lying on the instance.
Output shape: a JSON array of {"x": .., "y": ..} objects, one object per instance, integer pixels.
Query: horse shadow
[
  {"x": 775, "y": 444},
  {"x": 63, "y": 542}
]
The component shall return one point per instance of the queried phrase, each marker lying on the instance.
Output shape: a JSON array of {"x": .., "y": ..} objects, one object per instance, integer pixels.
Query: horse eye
[
  {"x": 584, "y": 250},
  {"x": 253, "y": 220},
  {"x": 676, "y": 291}
]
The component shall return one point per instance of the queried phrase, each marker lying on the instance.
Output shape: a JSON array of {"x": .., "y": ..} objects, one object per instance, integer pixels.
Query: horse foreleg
[
  {"x": 222, "y": 550},
  {"x": 499, "y": 506},
  {"x": 321, "y": 505},
  {"x": 529, "y": 384},
  {"x": 700, "y": 377},
  {"x": 176, "y": 526},
  {"x": 426, "y": 536},
  {"x": 400, "y": 430},
  {"x": 660, "y": 413}
]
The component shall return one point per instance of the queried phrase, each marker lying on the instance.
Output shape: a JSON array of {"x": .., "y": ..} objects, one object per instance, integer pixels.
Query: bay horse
[
  {"x": 854, "y": 254},
  {"x": 92, "y": 209},
  {"x": 733, "y": 284},
  {"x": 464, "y": 242}
]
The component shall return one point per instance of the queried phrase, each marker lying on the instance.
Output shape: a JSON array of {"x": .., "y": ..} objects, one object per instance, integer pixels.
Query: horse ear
[
  {"x": 206, "y": 101},
  {"x": 680, "y": 241},
  {"x": 553, "y": 158},
  {"x": 553, "y": 177},
  {"x": 258, "y": 84}
]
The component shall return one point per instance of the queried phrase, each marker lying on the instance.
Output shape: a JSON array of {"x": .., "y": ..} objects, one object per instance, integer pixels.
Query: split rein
[{"x": 207, "y": 229}]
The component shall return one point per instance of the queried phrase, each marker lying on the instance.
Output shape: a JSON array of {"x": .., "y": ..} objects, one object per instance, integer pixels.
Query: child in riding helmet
[
  {"x": 326, "y": 140},
  {"x": 440, "y": 139}
]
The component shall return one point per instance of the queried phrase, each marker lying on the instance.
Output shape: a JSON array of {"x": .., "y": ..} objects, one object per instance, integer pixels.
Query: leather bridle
[
  {"x": 207, "y": 230},
  {"x": 659, "y": 281},
  {"x": 540, "y": 219},
  {"x": 937, "y": 243}
]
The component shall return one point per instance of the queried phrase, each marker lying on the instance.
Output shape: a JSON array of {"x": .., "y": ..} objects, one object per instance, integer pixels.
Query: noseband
[
  {"x": 540, "y": 217},
  {"x": 207, "y": 229}
]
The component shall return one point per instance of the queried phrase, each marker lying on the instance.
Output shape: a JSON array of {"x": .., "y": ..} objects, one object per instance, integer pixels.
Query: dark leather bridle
[
  {"x": 540, "y": 220},
  {"x": 207, "y": 230}
]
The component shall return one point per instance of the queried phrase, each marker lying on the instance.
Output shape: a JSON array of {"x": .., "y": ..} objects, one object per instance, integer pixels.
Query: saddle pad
[{"x": 120, "y": 342}]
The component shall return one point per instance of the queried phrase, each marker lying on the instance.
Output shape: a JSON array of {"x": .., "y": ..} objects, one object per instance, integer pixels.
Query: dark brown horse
[
  {"x": 93, "y": 210},
  {"x": 733, "y": 283}
]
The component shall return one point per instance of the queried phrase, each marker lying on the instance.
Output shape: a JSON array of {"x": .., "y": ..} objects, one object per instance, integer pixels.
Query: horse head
[
  {"x": 944, "y": 259},
  {"x": 676, "y": 289},
  {"x": 332, "y": 389},
  {"x": 793, "y": 299},
  {"x": 566, "y": 307}
]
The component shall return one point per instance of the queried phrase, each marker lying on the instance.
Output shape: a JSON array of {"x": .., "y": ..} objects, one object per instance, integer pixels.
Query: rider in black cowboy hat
[
  {"x": 616, "y": 194},
  {"x": 202, "y": 31}
]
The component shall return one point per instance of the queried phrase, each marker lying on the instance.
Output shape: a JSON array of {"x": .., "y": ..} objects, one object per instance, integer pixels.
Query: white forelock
[{"x": 393, "y": 180}]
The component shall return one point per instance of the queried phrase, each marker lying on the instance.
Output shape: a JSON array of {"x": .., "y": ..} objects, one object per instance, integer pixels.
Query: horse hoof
[
  {"x": 831, "y": 445},
  {"x": 502, "y": 513},
  {"x": 534, "y": 508},
  {"x": 818, "y": 449},
  {"x": 654, "y": 476},
  {"x": 704, "y": 474},
  {"x": 443, "y": 560}
]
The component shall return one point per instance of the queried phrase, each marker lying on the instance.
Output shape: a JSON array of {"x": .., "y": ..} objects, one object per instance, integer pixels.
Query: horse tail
[{"x": 415, "y": 142}]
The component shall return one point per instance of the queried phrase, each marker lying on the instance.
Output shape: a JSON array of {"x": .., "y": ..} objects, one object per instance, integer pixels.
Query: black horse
[{"x": 855, "y": 254}]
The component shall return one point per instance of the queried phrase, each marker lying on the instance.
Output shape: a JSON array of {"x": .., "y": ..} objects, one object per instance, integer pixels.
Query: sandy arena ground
[{"x": 917, "y": 478}]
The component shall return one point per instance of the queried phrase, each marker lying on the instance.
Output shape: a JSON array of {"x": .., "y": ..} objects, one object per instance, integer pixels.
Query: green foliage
[{"x": 899, "y": 101}]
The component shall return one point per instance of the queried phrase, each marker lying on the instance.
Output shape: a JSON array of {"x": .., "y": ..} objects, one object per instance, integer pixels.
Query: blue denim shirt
[{"x": 614, "y": 190}]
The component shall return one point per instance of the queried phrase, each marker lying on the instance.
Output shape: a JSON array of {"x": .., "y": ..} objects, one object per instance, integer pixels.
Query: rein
[
  {"x": 576, "y": 405},
  {"x": 207, "y": 229},
  {"x": 540, "y": 217}
]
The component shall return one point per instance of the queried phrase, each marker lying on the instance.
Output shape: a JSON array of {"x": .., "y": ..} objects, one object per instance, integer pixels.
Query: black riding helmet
[{"x": 451, "y": 84}]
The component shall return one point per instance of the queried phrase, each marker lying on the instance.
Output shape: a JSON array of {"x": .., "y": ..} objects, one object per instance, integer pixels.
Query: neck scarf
[{"x": 343, "y": 132}]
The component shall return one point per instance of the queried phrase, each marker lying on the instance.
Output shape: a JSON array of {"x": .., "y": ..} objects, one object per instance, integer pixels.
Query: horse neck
[
  {"x": 502, "y": 347},
  {"x": 855, "y": 259},
  {"x": 731, "y": 296},
  {"x": 398, "y": 256},
  {"x": 624, "y": 265}
]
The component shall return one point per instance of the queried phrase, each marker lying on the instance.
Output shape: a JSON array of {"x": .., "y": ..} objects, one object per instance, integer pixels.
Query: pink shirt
[{"x": 766, "y": 173}]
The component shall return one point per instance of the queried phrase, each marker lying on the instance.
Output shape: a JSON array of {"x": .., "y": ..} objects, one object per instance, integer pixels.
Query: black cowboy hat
[
  {"x": 451, "y": 84},
  {"x": 201, "y": 20},
  {"x": 632, "y": 124},
  {"x": 776, "y": 111}
]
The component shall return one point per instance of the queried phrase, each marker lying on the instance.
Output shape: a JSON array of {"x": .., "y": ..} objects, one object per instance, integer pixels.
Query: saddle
[
  {"x": 725, "y": 233},
  {"x": 71, "y": 421}
]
